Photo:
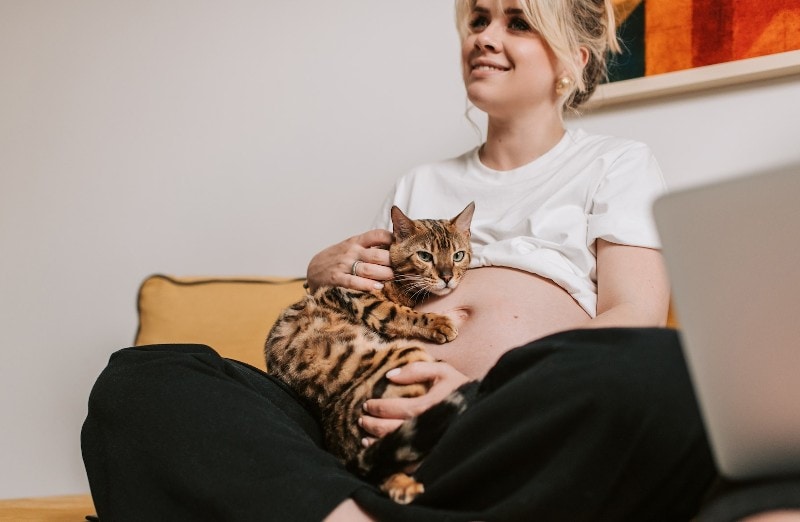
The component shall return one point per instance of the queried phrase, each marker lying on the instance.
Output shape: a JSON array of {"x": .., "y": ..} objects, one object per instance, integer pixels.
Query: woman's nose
[{"x": 489, "y": 39}]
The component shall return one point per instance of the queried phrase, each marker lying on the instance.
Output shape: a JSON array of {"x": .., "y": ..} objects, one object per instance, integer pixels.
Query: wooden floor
[{"x": 69, "y": 508}]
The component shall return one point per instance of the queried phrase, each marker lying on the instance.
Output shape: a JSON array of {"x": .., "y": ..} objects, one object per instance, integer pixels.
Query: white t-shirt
[{"x": 544, "y": 217}]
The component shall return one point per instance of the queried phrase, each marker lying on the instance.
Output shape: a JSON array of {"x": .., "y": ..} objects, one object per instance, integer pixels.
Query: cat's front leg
[
  {"x": 399, "y": 321},
  {"x": 438, "y": 328},
  {"x": 427, "y": 326}
]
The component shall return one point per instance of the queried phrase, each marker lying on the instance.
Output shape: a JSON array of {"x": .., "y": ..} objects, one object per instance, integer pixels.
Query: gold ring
[{"x": 354, "y": 268}]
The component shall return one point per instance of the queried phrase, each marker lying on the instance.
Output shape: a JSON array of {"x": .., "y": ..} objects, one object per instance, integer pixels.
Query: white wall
[
  {"x": 713, "y": 134},
  {"x": 237, "y": 137}
]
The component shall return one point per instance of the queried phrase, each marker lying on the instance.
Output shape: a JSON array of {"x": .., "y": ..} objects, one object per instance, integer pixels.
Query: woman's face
[{"x": 508, "y": 68}]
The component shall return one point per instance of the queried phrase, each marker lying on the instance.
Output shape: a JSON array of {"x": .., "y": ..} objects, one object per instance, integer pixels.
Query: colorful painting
[{"x": 666, "y": 36}]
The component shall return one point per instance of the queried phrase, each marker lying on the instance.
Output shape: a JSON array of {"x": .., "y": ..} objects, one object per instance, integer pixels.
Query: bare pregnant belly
[{"x": 498, "y": 309}]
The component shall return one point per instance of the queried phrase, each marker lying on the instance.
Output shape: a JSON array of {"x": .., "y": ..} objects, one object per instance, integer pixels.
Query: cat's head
[{"x": 430, "y": 256}]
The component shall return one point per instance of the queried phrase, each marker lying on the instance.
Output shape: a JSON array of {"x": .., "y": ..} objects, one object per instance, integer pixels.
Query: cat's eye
[
  {"x": 425, "y": 256},
  {"x": 458, "y": 256}
]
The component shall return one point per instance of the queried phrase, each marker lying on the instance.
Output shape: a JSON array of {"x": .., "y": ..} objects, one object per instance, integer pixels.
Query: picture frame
[
  {"x": 674, "y": 47},
  {"x": 707, "y": 77}
]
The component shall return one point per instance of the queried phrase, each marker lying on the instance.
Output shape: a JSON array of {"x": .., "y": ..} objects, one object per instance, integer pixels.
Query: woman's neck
[{"x": 513, "y": 143}]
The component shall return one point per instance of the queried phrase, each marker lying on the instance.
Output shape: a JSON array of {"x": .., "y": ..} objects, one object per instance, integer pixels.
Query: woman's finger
[
  {"x": 396, "y": 408},
  {"x": 375, "y": 256},
  {"x": 378, "y": 427},
  {"x": 419, "y": 372},
  {"x": 371, "y": 271},
  {"x": 374, "y": 238}
]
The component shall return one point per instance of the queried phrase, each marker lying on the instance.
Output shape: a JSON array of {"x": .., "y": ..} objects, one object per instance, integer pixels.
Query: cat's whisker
[
  {"x": 420, "y": 286},
  {"x": 416, "y": 286},
  {"x": 420, "y": 293},
  {"x": 409, "y": 276},
  {"x": 412, "y": 280}
]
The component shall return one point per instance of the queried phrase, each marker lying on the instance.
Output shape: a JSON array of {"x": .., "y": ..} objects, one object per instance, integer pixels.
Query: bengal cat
[{"x": 335, "y": 346}]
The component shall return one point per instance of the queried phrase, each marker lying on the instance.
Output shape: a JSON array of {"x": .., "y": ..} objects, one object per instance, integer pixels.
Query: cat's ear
[
  {"x": 403, "y": 225},
  {"x": 464, "y": 219}
]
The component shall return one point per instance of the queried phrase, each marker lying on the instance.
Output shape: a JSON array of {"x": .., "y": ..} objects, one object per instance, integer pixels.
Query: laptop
[{"x": 732, "y": 250}]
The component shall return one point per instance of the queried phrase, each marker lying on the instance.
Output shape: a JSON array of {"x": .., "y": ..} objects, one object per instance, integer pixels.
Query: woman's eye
[
  {"x": 478, "y": 22},
  {"x": 518, "y": 24},
  {"x": 425, "y": 256},
  {"x": 458, "y": 256}
]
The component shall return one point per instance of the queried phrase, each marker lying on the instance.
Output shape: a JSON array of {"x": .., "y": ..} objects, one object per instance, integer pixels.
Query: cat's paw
[
  {"x": 442, "y": 329},
  {"x": 401, "y": 488}
]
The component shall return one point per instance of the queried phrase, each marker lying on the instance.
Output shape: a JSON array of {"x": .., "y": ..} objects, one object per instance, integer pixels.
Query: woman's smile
[{"x": 482, "y": 67}]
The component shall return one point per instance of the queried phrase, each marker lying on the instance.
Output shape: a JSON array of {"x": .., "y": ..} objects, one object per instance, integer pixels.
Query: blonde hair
[{"x": 567, "y": 26}]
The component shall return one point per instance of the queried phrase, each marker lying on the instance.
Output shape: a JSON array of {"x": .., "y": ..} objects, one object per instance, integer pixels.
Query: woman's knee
[
  {"x": 643, "y": 373},
  {"x": 135, "y": 372},
  {"x": 624, "y": 374}
]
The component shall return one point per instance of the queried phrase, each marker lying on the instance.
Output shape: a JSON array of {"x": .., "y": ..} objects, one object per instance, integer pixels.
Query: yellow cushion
[
  {"x": 672, "y": 318},
  {"x": 232, "y": 315}
]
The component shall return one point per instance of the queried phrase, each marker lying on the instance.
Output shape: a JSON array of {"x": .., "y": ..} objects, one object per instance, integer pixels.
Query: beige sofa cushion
[{"x": 232, "y": 315}]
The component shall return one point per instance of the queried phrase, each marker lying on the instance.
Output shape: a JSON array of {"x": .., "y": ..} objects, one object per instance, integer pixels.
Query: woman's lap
[
  {"x": 582, "y": 425},
  {"x": 178, "y": 433},
  {"x": 587, "y": 425}
]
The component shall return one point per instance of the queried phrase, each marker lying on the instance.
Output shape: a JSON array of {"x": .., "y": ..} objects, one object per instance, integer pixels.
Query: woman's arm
[{"x": 632, "y": 286}]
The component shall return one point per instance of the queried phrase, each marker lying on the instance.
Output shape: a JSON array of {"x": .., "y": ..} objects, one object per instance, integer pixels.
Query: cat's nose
[{"x": 447, "y": 277}]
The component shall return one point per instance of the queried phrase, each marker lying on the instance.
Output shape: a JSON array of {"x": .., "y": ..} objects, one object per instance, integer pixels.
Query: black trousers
[{"x": 583, "y": 425}]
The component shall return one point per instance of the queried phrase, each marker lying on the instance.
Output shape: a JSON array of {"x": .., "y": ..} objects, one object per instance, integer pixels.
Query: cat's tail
[{"x": 387, "y": 461}]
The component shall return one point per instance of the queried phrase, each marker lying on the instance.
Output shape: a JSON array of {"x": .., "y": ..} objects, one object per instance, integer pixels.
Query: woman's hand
[
  {"x": 382, "y": 416},
  {"x": 334, "y": 266}
]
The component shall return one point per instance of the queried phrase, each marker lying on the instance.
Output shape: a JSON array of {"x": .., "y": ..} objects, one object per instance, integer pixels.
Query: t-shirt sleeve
[{"x": 621, "y": 208}]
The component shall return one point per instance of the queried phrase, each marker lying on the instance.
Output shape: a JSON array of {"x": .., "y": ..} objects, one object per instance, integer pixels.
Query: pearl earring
[{"x": 563, "y": 85}]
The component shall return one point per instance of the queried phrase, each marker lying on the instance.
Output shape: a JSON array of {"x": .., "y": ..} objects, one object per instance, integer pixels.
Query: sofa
[{"x": 231, "y": 314}]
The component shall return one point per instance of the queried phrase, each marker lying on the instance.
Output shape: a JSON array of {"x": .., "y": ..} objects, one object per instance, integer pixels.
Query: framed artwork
[{"x": 673, "y": 46}]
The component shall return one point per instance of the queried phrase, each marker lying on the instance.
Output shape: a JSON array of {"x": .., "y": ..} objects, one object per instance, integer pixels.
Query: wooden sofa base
[{"x": 67, "y": 508}]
